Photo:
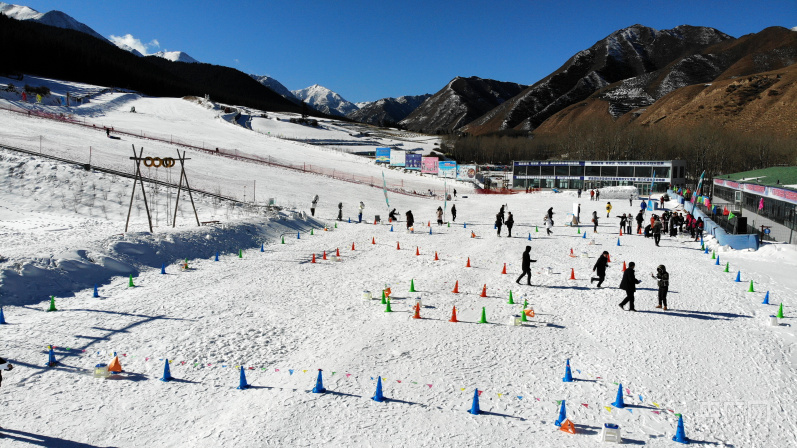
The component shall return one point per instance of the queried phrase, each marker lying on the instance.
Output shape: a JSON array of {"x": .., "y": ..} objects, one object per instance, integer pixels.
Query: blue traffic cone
[
  {"x": 680, "y": 434},
  {"x": 568, "y": 375},
  {"x": 705, "y": 251},
  {"x": 766, "y": 302},
  {"x": 562, "y": 415},
  {"x": 167, "y": 374},
  {"x": 430, "y": 230},
  {"x": 739, "y": 276},
  {"x": 241, "y": 384},
  {"x": 618, "y": 241},
  {"x": 163, "y": 268},
  {"x": 262, "y": 247},
  {"x": 391, "y": 227},
  {"x": 618, "y": 403},
  {"x": 298, "y": 235},
  {"x": 217, "y": 256},
  {"x": 350, "y": 220},
  {"x": 2, "y": 317},
  {"x": 378, "y": 397},
  {"x": 96, "y": 293},
  {"x": 51, "y": 362},
  {"x": 584, "y": 236},
  {"x": 529, "y": 237},
  {"x": 716, "y": 263},
  {"x": 319, "y": 384},
  {"x": 474, "y": 409},
  {"x": 464, "y": 225},
  {"x": 495, "y": 226}
]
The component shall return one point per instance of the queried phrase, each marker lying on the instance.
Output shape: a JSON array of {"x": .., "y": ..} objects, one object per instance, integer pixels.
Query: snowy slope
[
  {"x": 175, "y": 56},
  {"x": 325, "y": 100},
  {"x": 53, "y": 18},
  {"x": 276, "y": 86},
  {"x": 712, "y": 357}
]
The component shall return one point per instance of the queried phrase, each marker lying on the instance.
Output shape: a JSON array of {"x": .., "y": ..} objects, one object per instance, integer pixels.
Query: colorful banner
[
  {"x": 382, "y": 155},
  {"x": 429, "y": 165},
  {"x": 413, "y": 162},
  {"x": 466, "y": 172},
  {"x": 447, "y": 169},
  {"x": 779, "y": 194},
  {"x": 384, "y": 189},
  {"x": 397, "y": 158}
]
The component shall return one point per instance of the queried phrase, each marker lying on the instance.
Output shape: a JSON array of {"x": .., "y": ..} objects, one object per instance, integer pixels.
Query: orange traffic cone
[
  {"x": 572, "y": 274},
  {"x": 325, "y": 255},
  {"x": 429, "y": 224},
  {"x": 472, "y": 235},
  {"x": 608, "y": 258},
  {"x": 417, "y": 252},
  {"x": 373, "y": 240},
  {"x": 435, "y": 256},
  {"x": 453, "y": 315},
  {"x": 571, "y": 252},
  {"x": 624, "y": 266},
  {"x": 568, "y": 427},
  {"x": 398, "y": 246},
  {"x": 621, "y": 231},
  {"x": 468, "y": 265},
  {"x": 313, "y": 261},
  {"x": 529, "y": 312},
  {"x": 639, "y": 230},
  {"x": 484, "y": 291},
  {"x": 504, "y": 271},
  {"x": 456, "y": 288},
  {"x": 374, "y": 221},
  {"x": 352, "y": 246},
  {"x": 337, "y": 252},
  {"x": 417, "y": 311},
  {"x": 115, "y": 366}
]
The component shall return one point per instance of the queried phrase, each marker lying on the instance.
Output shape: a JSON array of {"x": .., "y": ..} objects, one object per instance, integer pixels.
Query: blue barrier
[{"x": 736, "y": 242}]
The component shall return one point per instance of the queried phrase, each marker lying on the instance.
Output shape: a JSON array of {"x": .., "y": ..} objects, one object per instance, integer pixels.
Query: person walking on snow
[
  {"x": 595, "y": 222},
  {"x": 340, "y": 211},
  {"x": 499, "y": 222},
  {"x": 439, "y": 216},
  {"x": 579, "y": 192},
  {"x": 631, "y": 200},
  {"x": 550, "y": 214},
  {"x": 526, "y": 266},
  {"x": 639, "y": 219},
  {"x": 644, "y": 207},
  {"x": 628, "y": 284},
  {"x": 600, "y": 268},
  {"x": 312, "y": 206},
  {"x": 663, "y": 278},
  {"x": 360, "y": 216},
  {"x": 548, "y": 225},
  {"x": 597, "y": 195},
  {"x": 608, "y": 208},
  {"x": 623, "y": 222},
  {"x": 410, "y": 219},
  {"x": 510, "y": 221},
  {"x": 656, "y": 229},
  {"x": 454, "y": 213},
  {"x": 591, "y": 195}
]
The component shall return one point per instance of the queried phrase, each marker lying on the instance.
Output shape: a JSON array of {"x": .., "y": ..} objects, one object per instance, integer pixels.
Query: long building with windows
[{"x": 588, "y": 174}]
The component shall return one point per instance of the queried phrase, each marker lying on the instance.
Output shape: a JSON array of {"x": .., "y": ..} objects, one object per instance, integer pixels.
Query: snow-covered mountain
[
  {"x": 174, "y": 56},
  {"x": 53, "y": 18},
  {"x": 276, "y": 86},
  {"x": 325, "y": 100},
  {"x": 387, "y": 111}
]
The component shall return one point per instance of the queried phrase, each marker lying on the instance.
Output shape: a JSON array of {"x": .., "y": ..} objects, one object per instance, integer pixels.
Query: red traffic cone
[
  {"x": 484, "y": 291},
  {"x": 639, "y": 230},
  {"x": 373, "y": 240},
  {"x": 608, "y": 258},
  {"x": 374, "y": 221},
  {"x": 337, "y": 252},
  {"x": 325, "y": 255},
  {"x": 417, "y": 311},
  {"x": 313, "y": 261},
  {"x": 417, "y": 252},
  {"x": 621, "y": 231},
  {"x": 624, "y": 266},
  {"x": 572, "y": 274},
  {"x": 352, "y": 246},
  {"x": 398, "y": 246},
  {"x": 429, "y": 224},
  {"x": 468, "y": 265},
  {"x": 456, "y": 288},
  {"x": 504, "y": 271},
  {"x": 571, "y": 251},
  {"x": 435, "y": 256},
  {"x": 453, "y": 315},
  {"x": 472, "y": 235}
]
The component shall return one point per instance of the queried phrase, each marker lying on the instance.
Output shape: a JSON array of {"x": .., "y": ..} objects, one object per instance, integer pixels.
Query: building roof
[{"x": 778, "y": 176}]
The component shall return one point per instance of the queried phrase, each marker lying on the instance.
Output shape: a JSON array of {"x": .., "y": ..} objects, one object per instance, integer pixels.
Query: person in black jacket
[
  {"x": 499, "y": 221},
  {"x": 623, "y": 221},
  {"x": 600, "y": 268},
  {"x": 629, "y": 283},
  {"x": 340, "y": 211},
  {"x": 639, "y": 219},
  {"x": 510, "y": 221},
  {"x": 663, "y": 278},
  {"x": 454, "y": 210},
  {"x": 410, "y": 219},
  {"x": 526, "y": 265}
]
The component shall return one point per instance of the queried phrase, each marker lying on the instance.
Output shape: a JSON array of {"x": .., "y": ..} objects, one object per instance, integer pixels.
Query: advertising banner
[
  {"x": 447, "y": 169},
  {"x": 382, "y": 155},
  {"x": 397, "y": 158},
  {"x": 413, "y": 162},
  {"x": 466, "y": 172},
  {"x": 429, "y": 165}
]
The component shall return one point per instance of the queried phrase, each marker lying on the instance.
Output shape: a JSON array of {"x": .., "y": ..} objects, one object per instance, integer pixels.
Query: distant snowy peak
[
  {"x": 276, "y": 86},
  {"x": 175, "y": 56},
  {"x": 53, "y": 18},
  {"x": 387, "y": 111},
  {"x": 128, "y": 49},
  {"x": 325, "y": 100}
]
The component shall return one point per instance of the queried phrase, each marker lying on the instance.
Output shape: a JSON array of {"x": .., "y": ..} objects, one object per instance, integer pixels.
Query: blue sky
[{"x": 366, "y": 50}]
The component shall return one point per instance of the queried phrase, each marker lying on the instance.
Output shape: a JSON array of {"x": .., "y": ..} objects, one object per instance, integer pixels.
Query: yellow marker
[
  {"x": 608, "y": 408},
  {"x": 655, "y": 404}
]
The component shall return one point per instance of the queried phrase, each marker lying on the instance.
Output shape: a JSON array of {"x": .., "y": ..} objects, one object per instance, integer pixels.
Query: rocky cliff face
[{"x": 387, "y": 111}]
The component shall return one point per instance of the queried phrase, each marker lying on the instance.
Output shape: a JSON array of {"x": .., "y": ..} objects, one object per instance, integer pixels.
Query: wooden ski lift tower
[{"x": 158, "y": 162}]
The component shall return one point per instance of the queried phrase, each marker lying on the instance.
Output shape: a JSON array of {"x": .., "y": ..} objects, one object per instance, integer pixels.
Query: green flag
[{"x": 731, "y": 216}]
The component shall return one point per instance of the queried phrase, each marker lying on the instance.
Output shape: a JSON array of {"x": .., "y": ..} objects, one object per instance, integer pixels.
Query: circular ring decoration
[
  {"x": 156, "y": 162},
  {"x": 168, "y": 162},
  {"x": 148, "y": 161}
]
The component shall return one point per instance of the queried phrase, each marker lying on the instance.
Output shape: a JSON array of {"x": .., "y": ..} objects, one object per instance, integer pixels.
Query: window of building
[
  {"x": 643, "y": 171},
  {"x": 547, "y": 171},
  {"x": 609, "y": 171},
  {"x": 562, "y": 171},
  {"x": 625, "y": 171},
  {"x": 592, "y": 171}
]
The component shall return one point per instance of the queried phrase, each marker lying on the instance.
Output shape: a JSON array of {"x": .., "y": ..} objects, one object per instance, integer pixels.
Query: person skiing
[
  {"x": 639, "y": 219},
  {"x": 628, "y": 284},
  {"x": 548, "y": 224},
  {"x": 608, "y": 208},
  {"x": 526, "y": 266},
  {"x": 454, "y": 213},
  {"x": 498, "y": 222},
  {"x": 595, "y": 221},
  {"x": 340, "y": 211},
  {"x": 360, "y": 216},
  {"x": 656, "y": 229},
  {"x": 5, "y": 365},
  {"x": 439, "y": 216},
  {"x": 663, "y": 278},
  {"x": 410, "y": 219},
  {"x": 510, "y": 221},
  {"x": 392, "y": 216},
  {"x": 600, "y": 268},
  {"x": 312, "y": 206}
]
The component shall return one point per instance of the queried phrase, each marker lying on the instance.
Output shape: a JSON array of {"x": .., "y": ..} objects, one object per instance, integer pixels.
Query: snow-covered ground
[{"x": 712, "y": 357}]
